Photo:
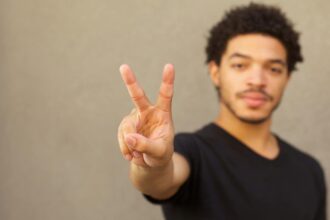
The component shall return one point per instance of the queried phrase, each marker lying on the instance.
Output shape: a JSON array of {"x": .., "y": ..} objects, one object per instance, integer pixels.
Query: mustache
[{"x": 261, "y": 91}]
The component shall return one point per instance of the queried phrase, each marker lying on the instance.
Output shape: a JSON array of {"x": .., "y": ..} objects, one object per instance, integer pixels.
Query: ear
[
  {"x": 288, "y": 78},
  {"x": 214, "y": 72}
]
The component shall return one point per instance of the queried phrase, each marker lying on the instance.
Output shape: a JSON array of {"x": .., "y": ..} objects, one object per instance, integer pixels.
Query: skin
[
  {"x": 146, "y": 139},
  {"x": 251, "y": 77}
]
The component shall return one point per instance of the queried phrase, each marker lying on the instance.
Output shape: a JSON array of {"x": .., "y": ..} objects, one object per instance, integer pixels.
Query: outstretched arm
[{"x": 146, "y": 139}]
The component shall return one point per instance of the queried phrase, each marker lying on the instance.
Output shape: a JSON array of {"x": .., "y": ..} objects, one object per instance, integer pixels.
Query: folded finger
[{"x": 127, "y": 126}]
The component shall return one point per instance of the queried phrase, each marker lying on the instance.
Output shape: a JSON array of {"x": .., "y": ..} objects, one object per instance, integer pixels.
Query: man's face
[{"x": 251, "y": 77}]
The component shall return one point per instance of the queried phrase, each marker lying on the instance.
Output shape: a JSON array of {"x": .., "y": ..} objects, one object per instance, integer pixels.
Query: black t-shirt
[{"x": 229, "y": 181}]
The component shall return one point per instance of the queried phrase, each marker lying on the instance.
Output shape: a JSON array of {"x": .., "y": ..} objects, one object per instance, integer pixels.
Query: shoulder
[
  {"x": 190, "y": 144},
  {"x": 186, "y": 144},
  {"x": 193, "y": 140},
  {"x": 304, "y": 159},
  {"x": 299, "y": 154},
  {"x": 208, "y": 131}
]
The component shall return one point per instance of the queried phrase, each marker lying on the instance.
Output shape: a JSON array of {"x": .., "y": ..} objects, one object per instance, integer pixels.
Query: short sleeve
[{"x": 185, "y": 145}]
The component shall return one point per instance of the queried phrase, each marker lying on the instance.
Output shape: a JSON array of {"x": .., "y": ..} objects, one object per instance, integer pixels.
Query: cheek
[
  {"x": 278, "y": 91},
  {"x": 229, "y": 88}
]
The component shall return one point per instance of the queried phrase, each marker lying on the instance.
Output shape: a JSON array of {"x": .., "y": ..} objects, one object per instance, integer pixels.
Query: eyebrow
[
  {"x": 279, "y": 61},
  {"x": 240, "y": 55}
]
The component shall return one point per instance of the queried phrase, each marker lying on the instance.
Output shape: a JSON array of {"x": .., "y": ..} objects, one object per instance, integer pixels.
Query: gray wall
[{"x": 62, "y": 97}]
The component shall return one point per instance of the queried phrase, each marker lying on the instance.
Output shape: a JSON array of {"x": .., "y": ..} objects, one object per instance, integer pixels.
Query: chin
[
  {"x": 253, "y": 117},
  {"x": 254, "y": 121},
  {"x": 248, "y": 115}
]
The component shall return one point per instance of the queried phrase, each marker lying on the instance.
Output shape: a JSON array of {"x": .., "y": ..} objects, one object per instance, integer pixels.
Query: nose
[{"x": 257, "y": 77}]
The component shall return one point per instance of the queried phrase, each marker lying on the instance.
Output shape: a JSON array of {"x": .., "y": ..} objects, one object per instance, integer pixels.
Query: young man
[{"x": 235, "y": 167}]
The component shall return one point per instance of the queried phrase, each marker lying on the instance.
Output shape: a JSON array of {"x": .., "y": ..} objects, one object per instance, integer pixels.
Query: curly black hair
[{"x": 254, "y": 18}]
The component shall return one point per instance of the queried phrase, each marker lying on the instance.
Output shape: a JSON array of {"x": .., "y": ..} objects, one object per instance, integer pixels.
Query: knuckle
[
  {"x": 125, "y": 128},
  {"x": 127, "y": 124},
  {"x": 133, "y": 111},
  {"x": 137, "y": 98},
  {"x": 141, "y": 144},
  {"x": 123, "y": 148},
  {"x": 122, "y": 123},
  {"x": 137, "y": 92},
  {"x": 165, "y": 96}
]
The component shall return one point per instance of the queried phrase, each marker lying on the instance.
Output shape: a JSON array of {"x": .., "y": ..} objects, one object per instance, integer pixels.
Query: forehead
[{"x": 257, "y": 46}]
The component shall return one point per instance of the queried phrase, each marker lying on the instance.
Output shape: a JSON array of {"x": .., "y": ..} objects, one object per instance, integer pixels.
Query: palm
[{"x": 154, "y": 123}]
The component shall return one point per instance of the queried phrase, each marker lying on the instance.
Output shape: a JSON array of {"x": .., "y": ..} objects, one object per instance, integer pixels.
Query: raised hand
[{"x": 146, "y": 135}]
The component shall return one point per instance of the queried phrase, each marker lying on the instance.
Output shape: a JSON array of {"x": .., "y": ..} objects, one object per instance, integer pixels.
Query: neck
[{"x": 258, "y": 137}]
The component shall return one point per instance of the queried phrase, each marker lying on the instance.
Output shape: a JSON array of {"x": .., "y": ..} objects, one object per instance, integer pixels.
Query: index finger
[{"x": 135, "y": 91}]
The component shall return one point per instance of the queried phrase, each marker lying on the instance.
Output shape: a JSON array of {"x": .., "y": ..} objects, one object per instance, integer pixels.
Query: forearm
[{"x": 157, "y": 182}]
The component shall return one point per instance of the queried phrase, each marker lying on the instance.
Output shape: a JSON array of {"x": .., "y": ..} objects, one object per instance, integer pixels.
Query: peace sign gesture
[{"x": 146, "y": 134}]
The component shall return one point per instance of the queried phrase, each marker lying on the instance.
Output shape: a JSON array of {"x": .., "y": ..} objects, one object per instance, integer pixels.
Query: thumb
[{"x": 145, "y": 145}]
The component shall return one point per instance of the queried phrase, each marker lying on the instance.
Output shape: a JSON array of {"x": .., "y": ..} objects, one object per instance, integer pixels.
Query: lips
[{"x": 254, "y": 100}]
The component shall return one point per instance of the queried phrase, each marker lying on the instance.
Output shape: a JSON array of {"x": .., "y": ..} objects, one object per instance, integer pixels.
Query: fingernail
[
  {"x": 128, "y": 157},
  {"x": 137, "y": 154},
  {"x": 168, "y": 66},
  {"x": 122, "y": 67},
  {"x": 130, "y": 141}
]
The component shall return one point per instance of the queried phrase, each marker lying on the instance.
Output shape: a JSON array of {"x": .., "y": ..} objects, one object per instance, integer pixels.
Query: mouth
[{"x": 254, "y": 100}]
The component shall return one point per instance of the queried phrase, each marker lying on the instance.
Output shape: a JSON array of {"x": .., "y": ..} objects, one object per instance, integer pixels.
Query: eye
[
  {"x": 276, "y": 70},
  {"x": 238, "y": 66}
]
